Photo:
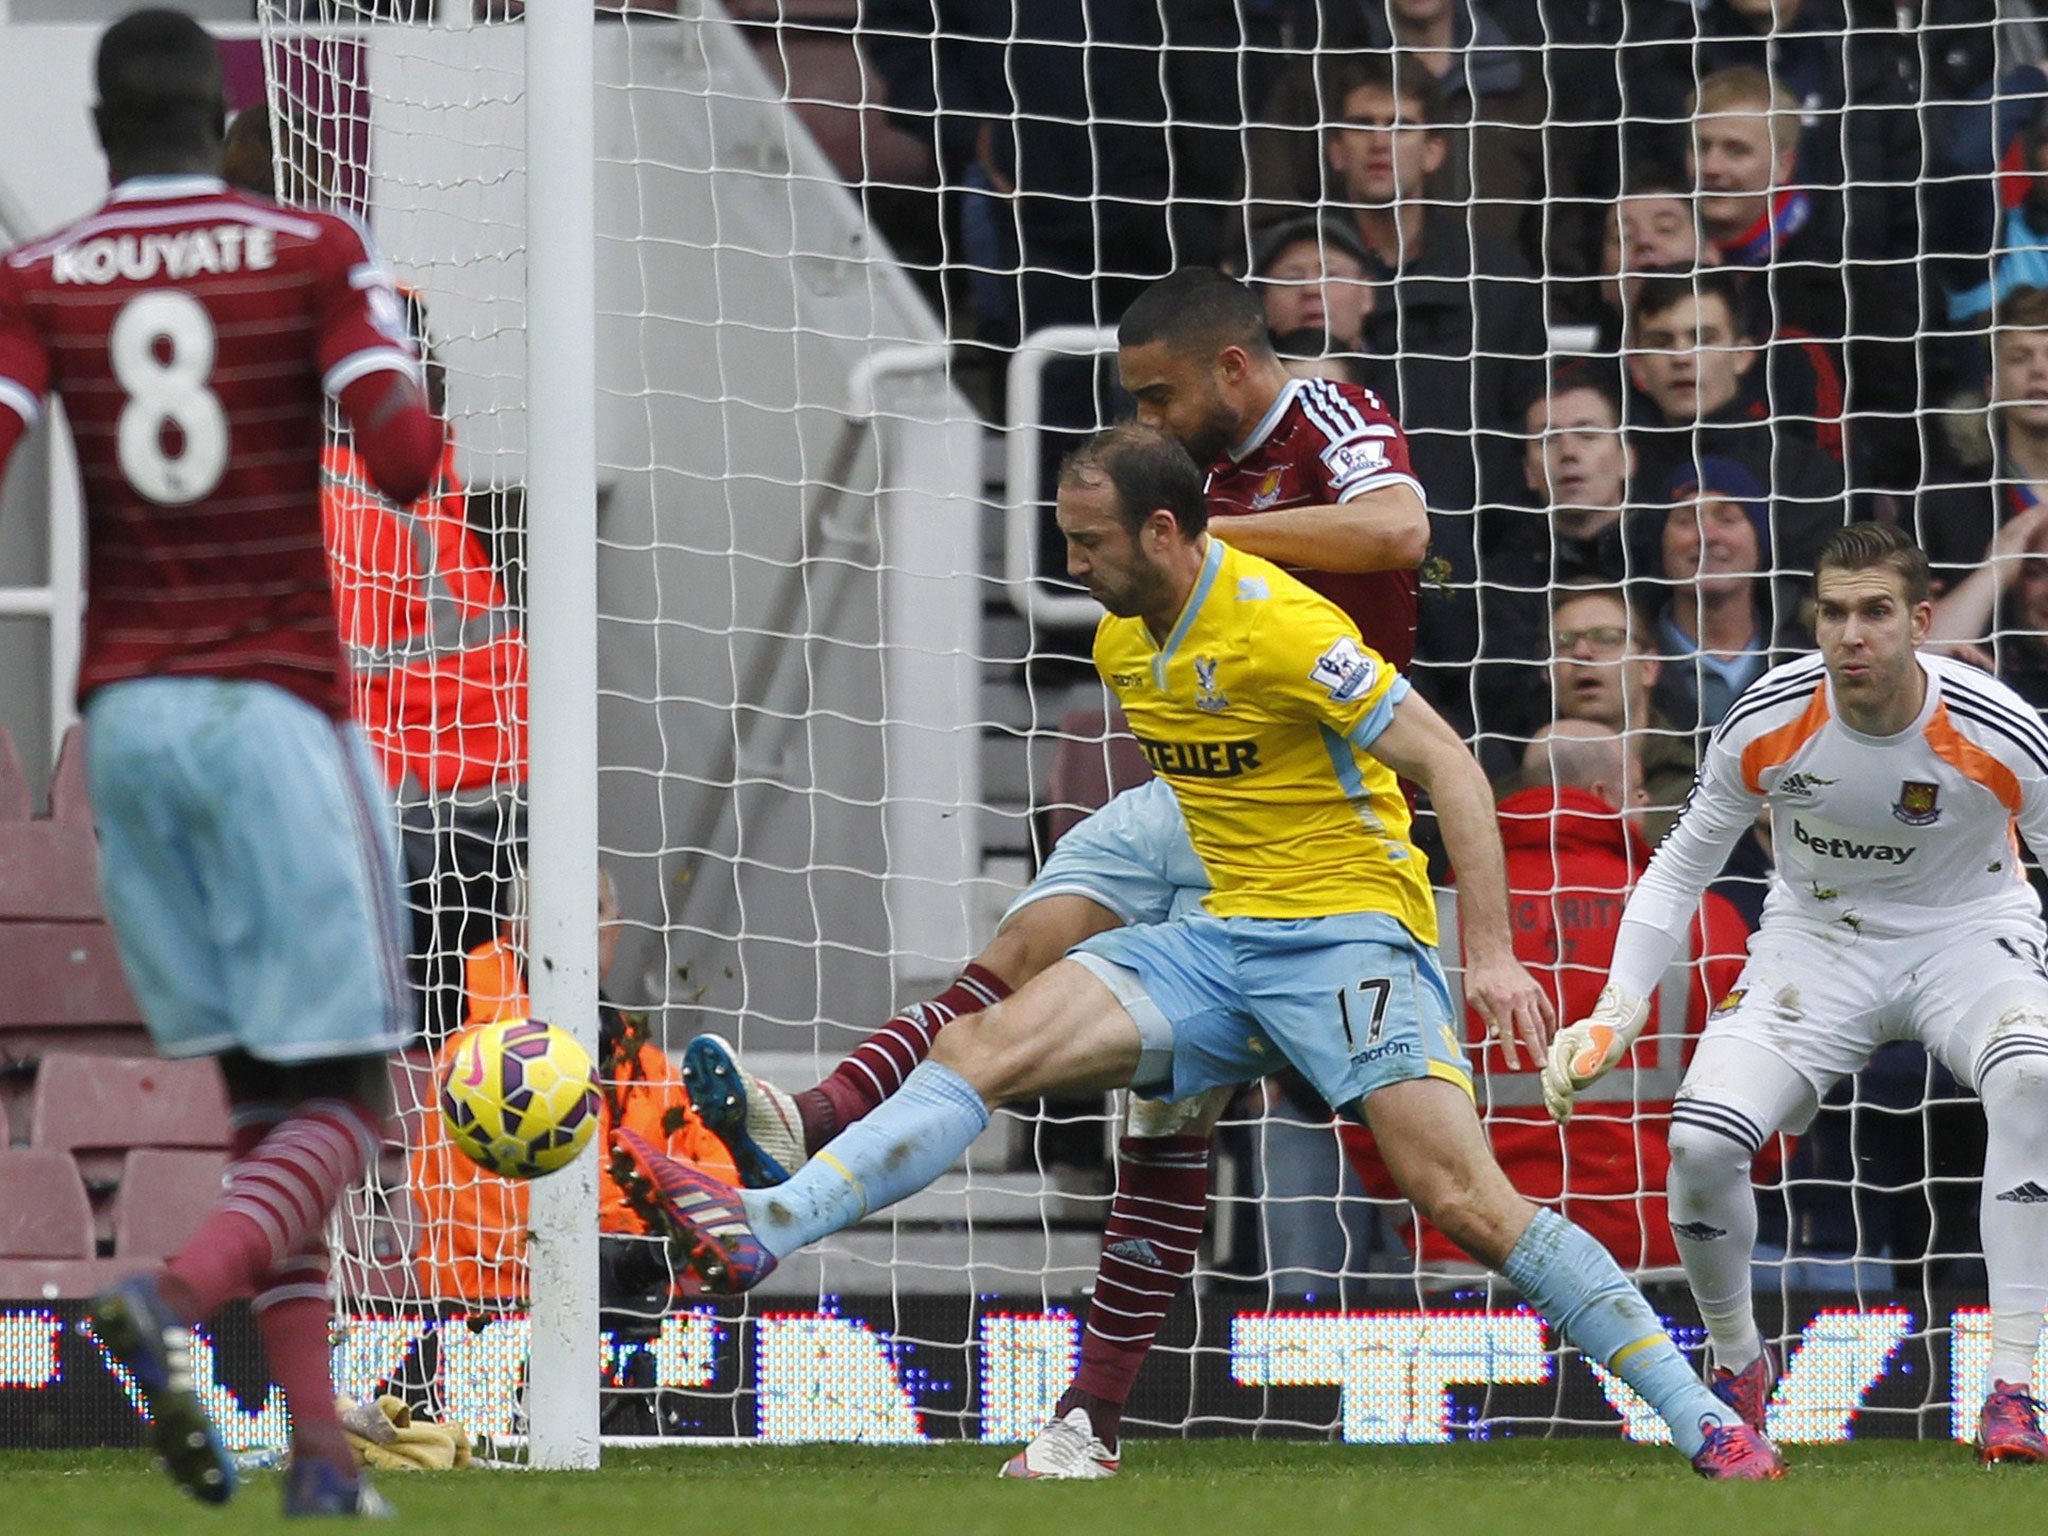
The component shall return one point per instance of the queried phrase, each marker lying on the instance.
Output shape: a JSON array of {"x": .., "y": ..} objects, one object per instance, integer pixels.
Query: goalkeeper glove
[{"x": 1582, "y": 1054}]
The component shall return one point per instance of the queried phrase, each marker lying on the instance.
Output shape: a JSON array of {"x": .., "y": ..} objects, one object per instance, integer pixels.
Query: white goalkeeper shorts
[{"x": 1822, "y": 1000}]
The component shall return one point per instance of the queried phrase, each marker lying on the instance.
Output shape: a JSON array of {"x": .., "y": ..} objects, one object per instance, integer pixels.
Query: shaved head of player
[
  {"x": 1312, "y": 474},
  {"x": 1194, "y": 352},
  {"x": 162, "y": 107},
  {"x": 1870, "y": 618},
  {"x": 1132, "y": 515}
]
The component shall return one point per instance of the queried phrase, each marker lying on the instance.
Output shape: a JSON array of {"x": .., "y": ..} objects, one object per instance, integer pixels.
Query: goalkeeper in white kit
[{"x": 1900, "y": 911}]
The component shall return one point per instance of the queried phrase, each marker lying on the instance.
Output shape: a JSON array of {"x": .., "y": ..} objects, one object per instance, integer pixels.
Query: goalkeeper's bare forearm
[{"x": 1418, "y": 745}]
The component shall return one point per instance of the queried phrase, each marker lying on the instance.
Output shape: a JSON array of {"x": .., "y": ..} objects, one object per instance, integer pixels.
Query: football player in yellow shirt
[{"x": 1281, "y": 736}]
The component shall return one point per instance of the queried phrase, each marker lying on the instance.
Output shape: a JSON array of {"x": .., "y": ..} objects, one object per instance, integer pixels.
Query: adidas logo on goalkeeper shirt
[{"x": 2028, "y": 1193}]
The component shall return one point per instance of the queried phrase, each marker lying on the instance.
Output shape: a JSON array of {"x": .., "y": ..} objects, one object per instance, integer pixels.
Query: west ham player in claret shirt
[
  {"x": 1310, "y": 474},
  {"x": 1307, "y": 473},
  {"x": 247, "y": 857},
  {"x": 1898, "y": 785}
]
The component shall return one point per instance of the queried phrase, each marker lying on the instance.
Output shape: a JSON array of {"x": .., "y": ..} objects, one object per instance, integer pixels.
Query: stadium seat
[
  {"x": 807, "y": 48},
  {"x": 65, "y": 989},
  {"x": 1094, "y": 758},
  {"x": 43, "y": 1210},
  {"x": 90, "y": 1104},
  {"x": 14, "y": 797},
  {"x": 164, "y": 1196},
  {"x": 69, "y": 801}
]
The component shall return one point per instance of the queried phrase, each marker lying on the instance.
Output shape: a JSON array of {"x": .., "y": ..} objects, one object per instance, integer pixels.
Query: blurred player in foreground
[
  {"x": 247, "y": 855},
  {"x": 1900, "y": 911},
  {"x": 1309, "y": 473},
  {"x": 1281, "y": 737}
]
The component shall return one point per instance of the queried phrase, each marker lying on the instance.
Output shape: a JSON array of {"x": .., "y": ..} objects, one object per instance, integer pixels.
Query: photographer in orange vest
[{"x": 473, "y": 1244}]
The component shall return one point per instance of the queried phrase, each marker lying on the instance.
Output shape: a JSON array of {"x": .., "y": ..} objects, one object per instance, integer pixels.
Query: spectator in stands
[
  {"x": 1573, "y": 856},
  {"x": 1649, "y": 229},
  {"x": 1861, "y": 292},
  {"x": 1576, "y": 468},
  {"x": 474, "y": 1223},
  {"x": 1101, "y": 150},
  {"x": 1997, "y": 616},
  {"x": 1986, "y": 194},
  {"x": 1603, "y": 673},
  {"x": 1310, "y": 273},
  {"x": 1851, "y": 68},
  {"x": 1456, "y": 338},
  {"x": 1651, "y": 232},
  {"x": 1492, "y": 91},
  {"x": 1690, "y": 350},
  {"x": 1715, "y": 627},
  {"x": 1995, "y": 463},
  {"x": 1742, "y": 157},
  {"x": 2014, "y": 252},
  {"x": 1459, "y": 316}
]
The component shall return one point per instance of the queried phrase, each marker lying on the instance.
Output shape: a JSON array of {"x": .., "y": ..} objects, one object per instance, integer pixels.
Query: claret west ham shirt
[{"x": 193, "y": 331}]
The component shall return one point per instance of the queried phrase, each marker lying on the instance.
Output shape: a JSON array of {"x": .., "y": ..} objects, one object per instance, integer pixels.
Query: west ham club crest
[{"x": 1916, "y": 806}]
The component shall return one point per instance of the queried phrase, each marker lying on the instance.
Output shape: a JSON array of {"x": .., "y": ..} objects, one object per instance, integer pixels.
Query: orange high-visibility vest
[
  {"x": 473, "y": 1240},
  {"x": 439, "y": 659}
]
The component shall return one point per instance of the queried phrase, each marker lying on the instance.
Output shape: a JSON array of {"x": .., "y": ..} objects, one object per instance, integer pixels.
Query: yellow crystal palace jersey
[{"x": 1260, "y": 711}]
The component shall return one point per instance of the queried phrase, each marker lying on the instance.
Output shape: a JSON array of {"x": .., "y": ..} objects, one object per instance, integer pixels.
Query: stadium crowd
[{"x": 1659, "y": 293}]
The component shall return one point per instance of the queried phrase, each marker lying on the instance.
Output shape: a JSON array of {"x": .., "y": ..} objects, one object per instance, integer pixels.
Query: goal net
[{"x": 1653, "y": 320}]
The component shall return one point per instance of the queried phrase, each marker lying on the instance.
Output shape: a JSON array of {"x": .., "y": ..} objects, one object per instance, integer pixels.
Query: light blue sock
[
  {"x": 912, "y": 1138},
  {"x": 1576, "y": 1284}
]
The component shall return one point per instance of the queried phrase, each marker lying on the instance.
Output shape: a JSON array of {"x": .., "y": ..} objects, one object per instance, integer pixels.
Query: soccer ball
[{"x": 520, "y": 1098}]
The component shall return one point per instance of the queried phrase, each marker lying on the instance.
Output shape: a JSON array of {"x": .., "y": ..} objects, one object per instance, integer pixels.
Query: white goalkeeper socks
[
  {"x": 1713, "y": 1220},
  {"x": 2013, "y": 1082}
]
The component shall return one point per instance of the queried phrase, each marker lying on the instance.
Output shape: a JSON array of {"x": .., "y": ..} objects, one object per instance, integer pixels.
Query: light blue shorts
[
  {"x": 1353, "y": 1002},
  {"x": 1132, "y": 856},
  {"x": 249, "y": 861}
]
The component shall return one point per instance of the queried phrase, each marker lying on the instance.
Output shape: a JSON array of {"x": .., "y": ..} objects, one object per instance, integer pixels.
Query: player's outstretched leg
[
  {"x": 2012, "y": 1079},
  {"x": 1434, "y": 1145},
  {"x": 1148, "y": 1252},
  {"x": 770, "y": 1131},
  {"x": 731, "y": 1238},
  {"x": 155, "y": 1345},
  {"x": 1576, "y": 1284}
]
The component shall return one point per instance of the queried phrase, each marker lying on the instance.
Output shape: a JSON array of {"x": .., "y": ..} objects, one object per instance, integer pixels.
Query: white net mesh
[{"x": 844, "y": 708}]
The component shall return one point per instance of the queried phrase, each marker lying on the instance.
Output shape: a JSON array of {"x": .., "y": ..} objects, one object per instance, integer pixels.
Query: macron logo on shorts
[{"x": 1849, "y": 848}]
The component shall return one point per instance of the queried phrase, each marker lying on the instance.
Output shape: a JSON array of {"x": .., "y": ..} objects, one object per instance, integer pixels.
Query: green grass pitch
[{"x": 1172, "y": 1488}]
